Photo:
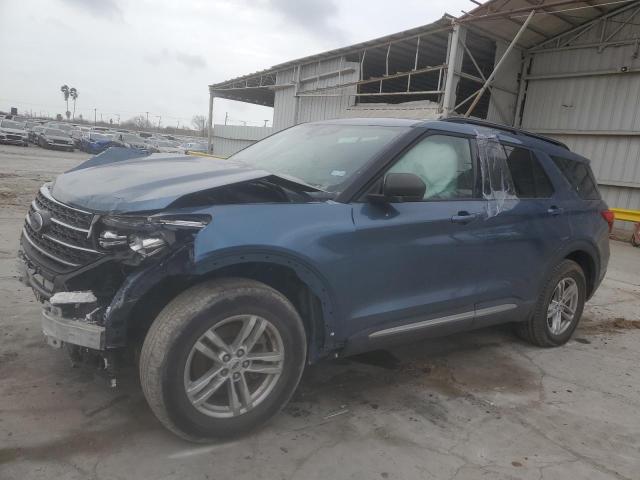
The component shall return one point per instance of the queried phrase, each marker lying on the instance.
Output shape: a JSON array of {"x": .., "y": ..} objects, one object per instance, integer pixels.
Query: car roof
[
  {"x": 465, "y": 126},
  {"x": 374, "y": 121}
]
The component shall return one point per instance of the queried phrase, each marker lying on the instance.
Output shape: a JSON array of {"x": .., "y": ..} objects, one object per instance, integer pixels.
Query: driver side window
[{"x": 444, "y": 164}]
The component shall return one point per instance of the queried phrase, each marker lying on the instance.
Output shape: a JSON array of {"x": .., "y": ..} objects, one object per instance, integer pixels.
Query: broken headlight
[{"x": 150, "y": 235}]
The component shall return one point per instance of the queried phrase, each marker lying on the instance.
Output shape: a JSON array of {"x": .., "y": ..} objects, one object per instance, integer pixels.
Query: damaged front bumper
[
  {"x": 78, "y": 318},
  {"x": 60, "y": 330}
]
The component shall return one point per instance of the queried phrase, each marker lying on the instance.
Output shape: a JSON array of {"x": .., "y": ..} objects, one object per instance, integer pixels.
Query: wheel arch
[
  {"x": 292, "y": 276},
  {"x": 588, "y": 265}
]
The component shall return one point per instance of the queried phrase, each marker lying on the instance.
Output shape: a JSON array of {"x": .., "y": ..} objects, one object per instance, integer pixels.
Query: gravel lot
[{"x": 476, "y": 405}]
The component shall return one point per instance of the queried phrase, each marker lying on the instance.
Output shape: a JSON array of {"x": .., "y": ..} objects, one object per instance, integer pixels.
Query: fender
[
  {"x": 561, "y": 253},
  {"x": 307, "y": 273},
  {"x": 181, "y": 263}
]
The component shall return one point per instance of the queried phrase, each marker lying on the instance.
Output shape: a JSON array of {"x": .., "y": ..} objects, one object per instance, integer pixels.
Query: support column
[
  {"x": 210, "y": 123},
  {"x": 454, "y": 64}
]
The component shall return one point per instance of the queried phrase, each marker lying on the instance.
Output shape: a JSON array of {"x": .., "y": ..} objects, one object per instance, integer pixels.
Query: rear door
[{"x": 538, "y": 226}]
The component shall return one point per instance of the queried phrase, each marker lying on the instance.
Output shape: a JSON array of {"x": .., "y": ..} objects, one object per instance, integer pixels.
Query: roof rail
[{"x": 504, "y": 128}]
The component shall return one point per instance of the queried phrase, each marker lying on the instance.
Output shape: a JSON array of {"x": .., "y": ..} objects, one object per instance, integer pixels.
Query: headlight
[
  {"x": 148, "y": 236},
  {"x": 146, "y": 246}
]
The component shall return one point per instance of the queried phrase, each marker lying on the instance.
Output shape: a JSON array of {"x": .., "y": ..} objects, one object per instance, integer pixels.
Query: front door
[{"x": 422, "y": 257}]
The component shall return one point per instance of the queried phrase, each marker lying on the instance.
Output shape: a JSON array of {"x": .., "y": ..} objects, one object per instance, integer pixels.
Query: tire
[
  {"x": 537, "y": 329},
  {"x": 169, "y": 348}
]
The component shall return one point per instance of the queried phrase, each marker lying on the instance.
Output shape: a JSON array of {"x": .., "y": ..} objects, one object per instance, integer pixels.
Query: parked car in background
[
  {"x": 65, "y": 127},
  {"x": 167, "y": 146},
  {"x": 13, "y": 133},
  {"x": 134, "y": 141},
  {"x": 34, "y": 132},
  {"x": 95, "y": 142},
  {"x": 195, "y": 147},
  {"x": 55, "y": 139},
  {"x": 77, "y": 133}
]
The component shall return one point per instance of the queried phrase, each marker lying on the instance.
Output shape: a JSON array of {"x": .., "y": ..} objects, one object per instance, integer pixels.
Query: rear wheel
[
  {"x": 558, "y": 309},
  {"x": 222, "y": 358}
]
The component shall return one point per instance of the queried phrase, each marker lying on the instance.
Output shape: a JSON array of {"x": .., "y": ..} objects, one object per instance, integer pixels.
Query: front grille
[
  {"x": 70, "y": 216},
  {"x": 64, "y": 240},
  {"x": 61, "y": 142},
  {"x": 13, "y": 137}
]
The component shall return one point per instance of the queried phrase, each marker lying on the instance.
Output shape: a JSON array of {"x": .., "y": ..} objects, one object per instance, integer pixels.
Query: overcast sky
[{"x": 129, "y": 57}]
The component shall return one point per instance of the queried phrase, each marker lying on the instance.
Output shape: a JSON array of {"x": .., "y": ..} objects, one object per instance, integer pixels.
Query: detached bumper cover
[{"x": 70, "y": 330}]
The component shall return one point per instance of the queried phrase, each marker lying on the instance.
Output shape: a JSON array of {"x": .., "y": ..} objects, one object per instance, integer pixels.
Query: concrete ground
[{"x": 476, "y": 405}]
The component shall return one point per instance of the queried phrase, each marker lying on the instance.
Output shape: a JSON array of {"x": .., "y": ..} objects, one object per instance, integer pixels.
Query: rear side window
[
  {"x": 529, "y": 178},
  {"x": 579, "y": 176}
]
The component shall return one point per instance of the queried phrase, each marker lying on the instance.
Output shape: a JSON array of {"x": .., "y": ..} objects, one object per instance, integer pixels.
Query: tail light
[{"x": 609, "y": 217}]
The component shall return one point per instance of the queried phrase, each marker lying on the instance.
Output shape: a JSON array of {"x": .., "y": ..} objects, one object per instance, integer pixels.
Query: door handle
[
  {"x": 464, "y": 217},
  {"x": 554, "y": 210}
]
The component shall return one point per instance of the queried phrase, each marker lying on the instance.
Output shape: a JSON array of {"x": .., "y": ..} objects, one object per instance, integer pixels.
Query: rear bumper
[{"x": 60, "y": 330}]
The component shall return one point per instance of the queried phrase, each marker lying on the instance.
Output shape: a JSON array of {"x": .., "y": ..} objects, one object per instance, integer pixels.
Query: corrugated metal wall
[
  {"x": 290, "y": 110},
  {"x": 587, "y": 101},
  {"x": 502, "y": 107},
  {"x": 229, "y": 139}
]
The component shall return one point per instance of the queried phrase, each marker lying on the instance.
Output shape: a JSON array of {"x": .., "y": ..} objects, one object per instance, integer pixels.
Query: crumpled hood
[{"x": 148, "y": 183}]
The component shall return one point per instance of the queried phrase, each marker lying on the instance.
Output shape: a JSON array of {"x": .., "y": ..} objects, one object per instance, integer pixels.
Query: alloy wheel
[
  {"x": 234, "y": 366},
  {"x": 562, "y": 306}
]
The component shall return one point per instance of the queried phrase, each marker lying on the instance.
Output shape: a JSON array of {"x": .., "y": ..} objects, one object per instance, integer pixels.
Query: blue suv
[{"x": 225, "y": 277}]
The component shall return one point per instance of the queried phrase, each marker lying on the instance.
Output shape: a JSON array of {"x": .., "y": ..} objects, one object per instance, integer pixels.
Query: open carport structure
[{"x": 565, "y": 68}]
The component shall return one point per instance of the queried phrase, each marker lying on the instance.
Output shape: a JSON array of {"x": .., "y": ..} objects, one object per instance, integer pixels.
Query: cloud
[
  {"x": 98, "y": 8},
  {"x": 313, "y": 15},
  {"x": 188, "y": 60}
]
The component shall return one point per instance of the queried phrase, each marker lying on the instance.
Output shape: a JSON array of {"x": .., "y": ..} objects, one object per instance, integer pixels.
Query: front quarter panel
[{"x": 313, "y": 239}]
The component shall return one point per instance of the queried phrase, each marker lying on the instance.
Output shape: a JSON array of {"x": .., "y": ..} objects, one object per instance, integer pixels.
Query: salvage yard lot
[{"x": 481, "y": 403}]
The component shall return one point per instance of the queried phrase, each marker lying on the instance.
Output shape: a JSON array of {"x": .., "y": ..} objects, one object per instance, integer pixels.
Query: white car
[
  {"x": 167, "y": 146},
  {"x": 134, "y": 141},
  {"x": 14, "y": 133}
]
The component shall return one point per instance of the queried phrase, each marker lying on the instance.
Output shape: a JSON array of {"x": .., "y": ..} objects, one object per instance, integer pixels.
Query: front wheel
[
  {"x": 558, "y": 308},
  {"x": 222, "y": 358}
]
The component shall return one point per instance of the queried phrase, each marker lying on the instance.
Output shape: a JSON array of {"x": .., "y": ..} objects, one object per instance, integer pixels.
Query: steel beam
[
  {"x": 496, "y": 69},
  {"x": 539, "y": 47},
  {"x": 592, "y": 73},
  {"x": 448, "y": 102},
  {"x": 210, "y": 123}
]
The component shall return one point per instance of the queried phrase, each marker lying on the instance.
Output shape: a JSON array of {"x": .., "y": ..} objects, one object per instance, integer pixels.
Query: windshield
[
  {"x": 12, "y": 124},
  {"x": 321, "y": 155},
  {"x": 55, "y": 132}
]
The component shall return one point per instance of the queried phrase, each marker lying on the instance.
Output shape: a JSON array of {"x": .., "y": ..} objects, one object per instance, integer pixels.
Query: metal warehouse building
[{"x": 568, "y": 69}]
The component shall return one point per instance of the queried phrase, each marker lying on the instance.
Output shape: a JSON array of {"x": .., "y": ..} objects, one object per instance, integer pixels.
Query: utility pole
[
  {"x": 226, "y": 117},
  {"x": 95, "y": 117},
  {"x": 265, "y": 123}
]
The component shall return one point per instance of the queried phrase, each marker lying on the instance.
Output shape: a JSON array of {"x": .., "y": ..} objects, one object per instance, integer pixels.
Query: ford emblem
[{"x": 39, "y": 220}]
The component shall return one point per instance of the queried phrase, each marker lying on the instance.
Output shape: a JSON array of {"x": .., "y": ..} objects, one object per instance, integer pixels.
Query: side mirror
[{"x": 400, "y": 187}]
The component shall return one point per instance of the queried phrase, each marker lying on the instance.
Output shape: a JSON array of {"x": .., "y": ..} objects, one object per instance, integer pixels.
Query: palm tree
[
  {"x": 73, "y": 93},
  {"x": 65, "y": 93}
]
